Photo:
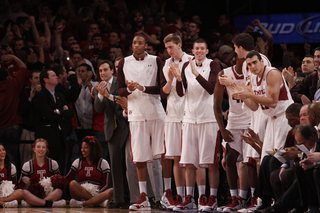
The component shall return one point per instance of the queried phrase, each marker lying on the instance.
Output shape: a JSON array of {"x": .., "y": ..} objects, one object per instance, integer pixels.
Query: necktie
[
  {"x": 54, "y": 98},
  {"x": 108, "y": 86}
]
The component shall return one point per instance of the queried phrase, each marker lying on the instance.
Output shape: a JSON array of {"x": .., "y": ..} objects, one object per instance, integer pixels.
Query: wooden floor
[{"x": 68, "y": 209}]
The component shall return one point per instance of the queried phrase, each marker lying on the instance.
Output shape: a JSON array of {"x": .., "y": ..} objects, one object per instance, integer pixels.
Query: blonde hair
[
  {"x": 34, "y": 145},
  {"x": 172, "y": 37}
]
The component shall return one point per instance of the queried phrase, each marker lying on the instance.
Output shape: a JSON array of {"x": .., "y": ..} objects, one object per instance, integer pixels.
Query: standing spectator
[
  {"x": 52, "y": 114},
  {"x": 84, "y": 103},
  {"x": 9, "y": 99},
  {"x": 105, "y": 94},
  {"x": 28, "y": 114}
]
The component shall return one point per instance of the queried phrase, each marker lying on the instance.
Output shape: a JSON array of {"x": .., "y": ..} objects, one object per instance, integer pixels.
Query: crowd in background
[{"x": 72, "y": 39}]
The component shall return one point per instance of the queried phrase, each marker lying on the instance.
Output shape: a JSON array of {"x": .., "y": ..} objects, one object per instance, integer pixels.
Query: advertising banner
[{"x": 292, "y": 28}]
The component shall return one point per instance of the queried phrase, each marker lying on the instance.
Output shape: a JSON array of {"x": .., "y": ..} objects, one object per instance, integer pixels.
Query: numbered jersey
[
  {"x": 260, "y": 88},
  {"x": 237, "y": 118}
]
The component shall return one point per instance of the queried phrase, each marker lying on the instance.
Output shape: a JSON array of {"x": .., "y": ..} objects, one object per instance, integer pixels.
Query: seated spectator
[
  {"x": 305, "y": 90},
  {"x": 307, "y": 67}
]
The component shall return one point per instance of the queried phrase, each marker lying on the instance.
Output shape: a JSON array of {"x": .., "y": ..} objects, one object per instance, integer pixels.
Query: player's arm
[
  {"x": 122, "y": 87},
  {"x": 218, "y": 97},
  {"x": 274, "y": 81},
  {"x": 164, "y": 84},
  {"x": 181, "y": 80},
  {"x": 210, "y": 84}
]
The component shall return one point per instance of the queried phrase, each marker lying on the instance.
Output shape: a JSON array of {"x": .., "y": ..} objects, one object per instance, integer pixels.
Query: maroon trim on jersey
[
  {"x": 252, "y": 161},
  {"x": 259, "y": 82},
  {"x": 283, "y": 95},
  {"x": 200, "y": 65},
  {"x": 236, "y": 75},
  {"x": 140, "y": 59},
  {"x": 172, "y": 59}
]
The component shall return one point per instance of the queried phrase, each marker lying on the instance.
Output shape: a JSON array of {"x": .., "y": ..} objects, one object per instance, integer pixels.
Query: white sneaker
[
  {"x": 59, "y": 203},
  {"x": 187, "y": 205},
  {"x": 75, "y": 203},
  {"x": 103, "y": 204},
  {"x": 166, "y": 199},
  {"x": 211, "y": 204},
  {"x": 25, "y": 203},
  {"x": 220, "y": 208},
  {"x": 11, "y": 204},
  {"x": 253, "y": 206},
  {"x": 202, "y": 202},
  {"x": 237, "y": 203},
  {"x": 177, "y": 202},
  {"x": 142, "y": 204}
]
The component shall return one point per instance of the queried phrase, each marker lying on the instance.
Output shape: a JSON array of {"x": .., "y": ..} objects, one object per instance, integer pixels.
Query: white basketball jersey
[
  {"x": 260, "y": 88},
  {"x": 237, "y": 118}
]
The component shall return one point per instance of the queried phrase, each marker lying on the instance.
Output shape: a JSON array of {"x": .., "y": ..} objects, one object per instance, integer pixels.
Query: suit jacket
[
  {"x": 27, "y": 111},
  {"x": 109, "y": 108},
  {"x": 48, "y": 122},
  {"x": 123, "y": 124}
]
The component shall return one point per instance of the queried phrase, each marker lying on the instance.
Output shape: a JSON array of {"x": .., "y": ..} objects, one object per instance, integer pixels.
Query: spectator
[
  {"x": 28, "y": 114},
  {"x": 9, "y": 116}
]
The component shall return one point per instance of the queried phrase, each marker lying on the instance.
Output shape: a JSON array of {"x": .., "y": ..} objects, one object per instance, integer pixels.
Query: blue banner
[{"x": 292, "y": 28}]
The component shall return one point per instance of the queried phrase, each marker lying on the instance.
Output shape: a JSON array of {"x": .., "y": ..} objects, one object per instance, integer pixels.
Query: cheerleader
[
  {"x": 38, "y": 169},
  {"x": 93, "y": 176},
  {"x": 8, "y": 176}
]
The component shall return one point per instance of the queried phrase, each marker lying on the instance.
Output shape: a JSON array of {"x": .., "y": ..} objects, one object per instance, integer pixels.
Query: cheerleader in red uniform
[
  {"x": 8, "y": 176},
  {"x": 93, "y": 176},
  {"x": 38, "y": 169}
]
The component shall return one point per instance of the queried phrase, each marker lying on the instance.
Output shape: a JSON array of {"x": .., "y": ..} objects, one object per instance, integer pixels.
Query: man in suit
[
  {"x": 105, "y": 94},
  {"x": 303, "y": 192},
  {"x": 53, "y": 112}
]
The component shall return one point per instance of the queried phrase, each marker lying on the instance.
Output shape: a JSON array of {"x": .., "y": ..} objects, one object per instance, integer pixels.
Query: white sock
[
  {"x": 234, "y": 192},
  {"x": 252, "y": 191},
  {"x": 190, "y": 190},
  {"x": 213, "y": 191},
  {"x": 167, "y": 183},
  {"x": 243, "y": 194},
  {"x": 181, "y": 191},
  {"x": 143, "y": 186},
  {"x": 202, "y": 189}
]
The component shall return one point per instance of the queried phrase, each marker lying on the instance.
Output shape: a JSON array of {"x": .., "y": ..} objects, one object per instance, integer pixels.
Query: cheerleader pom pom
[
  {"x": 6, "y": 188},
  {"x": 59, "y": 182},
  {"x": 47, "y": 185},
  {"x": 91, "y": 188},
  {"x": 37, "y": 190}
]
